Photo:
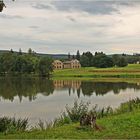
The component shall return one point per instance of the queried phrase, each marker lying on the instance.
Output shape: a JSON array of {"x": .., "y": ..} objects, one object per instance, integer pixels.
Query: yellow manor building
[{"x": 73, "y": 64}]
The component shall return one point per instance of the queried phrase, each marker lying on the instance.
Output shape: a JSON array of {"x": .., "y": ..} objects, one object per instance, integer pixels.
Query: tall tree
[
  {"x": 20, "y": 51},
  {"x": 101, "y": 60},
  {"x": 86, "y": 59},
  {"x": 11, "y": 51},
  {"x": 78, "y": 55},
  {"x": 30, "y": 51},
  {"x": 69, "y": 56},
  {"x": 45, "y": 67},
  {"x": 73, "y": 56}
]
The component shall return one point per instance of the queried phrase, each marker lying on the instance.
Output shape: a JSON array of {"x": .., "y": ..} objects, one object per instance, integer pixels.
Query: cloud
[
  {"x": 92, "y": 7},
  {"x": 52, "y": 26},
  {"x": 42, "y": 6},
  {"x": 10, "y": 16},
  {"x": 71, "y": 18},
  {"x": 34, "y": 27}
]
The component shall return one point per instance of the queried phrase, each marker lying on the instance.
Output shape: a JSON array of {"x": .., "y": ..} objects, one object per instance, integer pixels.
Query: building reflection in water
[
  {"x": 71, "y": 85},
  {"x": 30, "y": 88}
]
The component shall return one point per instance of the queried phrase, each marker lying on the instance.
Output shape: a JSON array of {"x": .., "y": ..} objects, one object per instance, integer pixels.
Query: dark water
[{"x": 46, "y": 99}]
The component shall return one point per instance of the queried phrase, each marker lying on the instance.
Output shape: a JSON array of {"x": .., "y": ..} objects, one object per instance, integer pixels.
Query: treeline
[
  {"x": 101, "y": 60},
  {"x": 25, "y": 63}
]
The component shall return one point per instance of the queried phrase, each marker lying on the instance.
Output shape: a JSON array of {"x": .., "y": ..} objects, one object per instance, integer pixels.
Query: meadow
[{"x": 131, "y": 71}]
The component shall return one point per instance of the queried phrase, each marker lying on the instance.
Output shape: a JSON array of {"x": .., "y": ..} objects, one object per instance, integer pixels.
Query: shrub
[
  {"x": 63, "y": 119},
  {"x": 128, "y": 106},
  {"x": 12, "y": 125},
  {"x": 75, "y": 112}
]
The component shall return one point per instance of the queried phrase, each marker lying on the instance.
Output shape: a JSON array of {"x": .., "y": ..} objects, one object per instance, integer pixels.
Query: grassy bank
[
  {"x": 131, "y": 71},
  {"x": 121, "y": 126},
  {"x": 123, "y": 123}
]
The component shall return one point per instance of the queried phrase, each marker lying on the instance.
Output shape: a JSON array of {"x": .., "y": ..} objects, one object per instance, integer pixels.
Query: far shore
[{"x": 131, "y": 71}]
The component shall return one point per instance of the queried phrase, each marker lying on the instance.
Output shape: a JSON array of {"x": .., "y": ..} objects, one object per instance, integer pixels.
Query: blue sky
[{"x": 62, "y": 26}]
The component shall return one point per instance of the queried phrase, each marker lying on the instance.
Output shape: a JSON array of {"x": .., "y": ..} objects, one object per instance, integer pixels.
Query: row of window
[{"x": 60, "y": 67}]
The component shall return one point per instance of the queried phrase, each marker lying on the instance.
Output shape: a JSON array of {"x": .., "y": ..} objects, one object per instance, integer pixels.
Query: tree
[
  {"x": 45, "y": 67},
  {"x": 115, "y": 58},
  {"x": 30, "y": 51},
  {"x": 2, "y": 5},
  {"x": 20, "y": 51},
  {"x": 99, "y": 53},
  {"x": 78, "y": 55},
  {"x": 8, "y": 62},
  {"x": 122, "y": 62},
  {"x": 13, "y": 63},
  {"x": 11, "y": 51},
  {"x": 69, "y": 56},
  {"x": 73, "y": 56},
  {"x": 84, "y": 61},
  {"x": 1, "y": 65},
  {"x": 102, "y": 61}
]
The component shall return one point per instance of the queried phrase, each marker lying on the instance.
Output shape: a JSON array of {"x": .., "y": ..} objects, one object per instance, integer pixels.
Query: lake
[{"x": 46, "y": 99}]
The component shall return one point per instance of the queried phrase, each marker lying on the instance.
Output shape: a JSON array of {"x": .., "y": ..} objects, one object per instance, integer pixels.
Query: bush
[
  {"x": 128, "y": 106},
  {"x": 13, "y": 125},
  {"x": 75, "y": 112}
]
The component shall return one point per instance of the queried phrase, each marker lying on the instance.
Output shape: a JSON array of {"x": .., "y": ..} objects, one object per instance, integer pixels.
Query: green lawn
[
  {"x": 131, "y": 71},
  {"x": 122, "y": 126}
]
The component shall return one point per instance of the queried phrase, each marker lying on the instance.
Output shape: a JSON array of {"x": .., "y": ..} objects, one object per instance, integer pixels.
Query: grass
[
  {"x": 115, "y": 127},
  {"x": 124, "y": 123},
  {"x": 131, "y": 71},
  {"x": 12, "y": 125}
]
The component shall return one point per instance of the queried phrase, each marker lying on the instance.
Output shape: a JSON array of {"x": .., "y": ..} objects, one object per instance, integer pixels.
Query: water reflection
[{"x": 30, "y": 88}]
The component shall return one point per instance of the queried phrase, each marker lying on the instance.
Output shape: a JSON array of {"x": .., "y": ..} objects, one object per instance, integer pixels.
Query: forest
[{"x": 13, "y": 63}]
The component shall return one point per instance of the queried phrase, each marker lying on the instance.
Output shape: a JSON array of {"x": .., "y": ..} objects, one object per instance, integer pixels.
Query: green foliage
[
  {"x": 99, "y": 60},
  {"x": 102, "y": 61},
  {"x": 128, "y": 106},
  {"x": 121, "y": 62},
  {"x": 79, "y": 109},
  {"x": 60, "y": 121},
  {"x": 9, "y": 125},
  {"x": 75, "y": 112},
  {"x": 131, "y": 71},
  {"x": 63, "y": 119},
  {"x": 19, "y": 63},
  {"x": 117, "y": 125},
  {"x": 86, "y": 59},
  {"x": 45, "y": 66},
  {"x": 78, "y": 55}
]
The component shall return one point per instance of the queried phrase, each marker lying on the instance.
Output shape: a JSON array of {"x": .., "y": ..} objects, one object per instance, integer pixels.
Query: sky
[{"x": 62, "y": 26}]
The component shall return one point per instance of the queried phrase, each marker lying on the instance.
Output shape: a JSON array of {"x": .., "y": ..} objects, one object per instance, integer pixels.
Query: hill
[{"x": 54, "y": 56}]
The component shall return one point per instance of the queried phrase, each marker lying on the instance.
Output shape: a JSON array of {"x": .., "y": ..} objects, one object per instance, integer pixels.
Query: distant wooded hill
[{"x": 55, "y": 56}]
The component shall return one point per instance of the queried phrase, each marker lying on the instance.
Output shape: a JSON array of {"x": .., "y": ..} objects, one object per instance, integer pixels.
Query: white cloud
[{"x": 53, "y": 30}]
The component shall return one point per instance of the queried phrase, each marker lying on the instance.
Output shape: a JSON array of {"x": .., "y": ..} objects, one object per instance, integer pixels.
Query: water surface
[{"x": 46, "y": 99}]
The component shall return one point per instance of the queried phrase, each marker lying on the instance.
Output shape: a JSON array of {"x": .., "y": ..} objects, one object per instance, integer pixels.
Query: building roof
[
  {"x": 57, "y": 61},
  {"x": 67, "y": 62},
  {"x": 75, "y": 60}
]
